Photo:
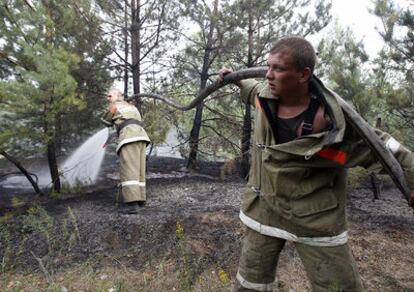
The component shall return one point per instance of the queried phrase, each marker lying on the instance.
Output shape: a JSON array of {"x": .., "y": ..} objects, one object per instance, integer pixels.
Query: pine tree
[
  {"x": 395, "y": 64},
  {"x": 344, "y": 64},
  {"x": 49, "y": 50},
  {"x": 194, "y": 63},
  {"x": 143, "y": 31},
  {"x": 142, "y": 34}
]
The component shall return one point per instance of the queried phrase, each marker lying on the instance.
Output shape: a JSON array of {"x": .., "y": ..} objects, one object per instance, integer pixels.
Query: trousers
[
  {"x": 327, "y": 268},
  {"x": 132, "y": 172}
]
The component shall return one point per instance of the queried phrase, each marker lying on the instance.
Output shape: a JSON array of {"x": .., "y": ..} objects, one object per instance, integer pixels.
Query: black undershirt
[{"x": 286, "y": 129}]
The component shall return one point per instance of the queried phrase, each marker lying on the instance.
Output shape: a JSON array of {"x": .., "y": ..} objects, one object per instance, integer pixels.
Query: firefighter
[
  {"x": 301, "y": 149},
  {"x": 132, "y": 144}
]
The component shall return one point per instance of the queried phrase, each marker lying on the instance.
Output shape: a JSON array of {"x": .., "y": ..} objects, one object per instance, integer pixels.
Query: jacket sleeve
[
  {"x": 106, "y": 119},
  {"x": 359, "y": 154},
  {"x": 249, "y": 90}
]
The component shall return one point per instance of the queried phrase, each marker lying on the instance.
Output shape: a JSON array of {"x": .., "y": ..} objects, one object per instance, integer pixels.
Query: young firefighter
[
  {"x": 301, "y": 148},
  {"x": 131, "y": 149}
]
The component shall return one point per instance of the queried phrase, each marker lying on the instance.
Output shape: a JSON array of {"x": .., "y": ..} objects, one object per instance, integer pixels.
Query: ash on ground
[{"x": 206, "y": 205}]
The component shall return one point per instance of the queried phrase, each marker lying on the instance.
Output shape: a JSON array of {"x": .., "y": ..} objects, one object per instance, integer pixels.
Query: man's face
[
  {"x": 282, "y": 76},
  {"x": 110, "y": 96}
]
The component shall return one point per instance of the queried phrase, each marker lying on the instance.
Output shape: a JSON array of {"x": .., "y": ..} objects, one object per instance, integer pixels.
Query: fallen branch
[
  {"x": 229, "y": 78},
  {"x": 19, "y": 173},
  {"x": 23, "y": 171}
]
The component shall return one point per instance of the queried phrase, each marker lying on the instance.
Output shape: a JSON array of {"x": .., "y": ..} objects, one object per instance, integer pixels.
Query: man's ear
[{"x": 306, "y": 74}]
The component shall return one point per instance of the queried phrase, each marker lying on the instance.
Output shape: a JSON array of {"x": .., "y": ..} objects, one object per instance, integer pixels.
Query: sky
[{"x": 355, "y": 14}]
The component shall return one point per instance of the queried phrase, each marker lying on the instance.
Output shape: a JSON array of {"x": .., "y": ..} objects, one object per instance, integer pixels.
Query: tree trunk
[
  {"x": 50, "y": 126},
  {"x": 53, "y": 166},
  {"x": 195, "y": 130},
  {"x": 126, "y": 48},
  {"x": 376, "y": 185},
  {"x": 58, "y": 135},
  {"x": 194, "y": 137},
  {"x": 51, "y": 148},
  {"x": 22, "y": 170},
  {"x": 247, "y": 118},
  {"x": 136, "y": 48}
]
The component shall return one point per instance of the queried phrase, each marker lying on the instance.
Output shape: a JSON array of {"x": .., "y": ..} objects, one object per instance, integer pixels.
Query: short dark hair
[{"x": 302, "y": 51}]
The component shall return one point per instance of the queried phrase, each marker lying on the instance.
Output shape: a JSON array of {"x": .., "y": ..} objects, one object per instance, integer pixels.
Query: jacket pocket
[
  {"x": 284, "y": 182},
  {"x": 315, "y": 179},
  {"x": 323, "y": 200}
]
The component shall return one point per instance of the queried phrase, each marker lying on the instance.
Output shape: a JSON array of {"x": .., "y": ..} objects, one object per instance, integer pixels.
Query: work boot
[{"x": 129, "y": 208}]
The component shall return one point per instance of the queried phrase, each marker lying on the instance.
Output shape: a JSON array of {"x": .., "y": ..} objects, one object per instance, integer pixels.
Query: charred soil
[{"x": 186, "y": 238}]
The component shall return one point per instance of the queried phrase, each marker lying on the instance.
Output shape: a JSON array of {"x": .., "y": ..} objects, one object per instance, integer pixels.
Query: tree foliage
[
  {"x": 344, "y": 63},
  {"x": 51, "y": 50},
  {"x": 142, "y": 35},
  {"x": 254, "y": 26},
  {"x": 395, "y": 65}
]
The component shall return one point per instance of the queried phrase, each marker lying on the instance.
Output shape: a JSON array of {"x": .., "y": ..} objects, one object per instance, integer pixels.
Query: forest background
[{"x": 59, "y": 57}]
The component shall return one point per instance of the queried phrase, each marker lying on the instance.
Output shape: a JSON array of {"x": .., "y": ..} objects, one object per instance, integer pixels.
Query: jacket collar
[{"x": 332, "y": 108}]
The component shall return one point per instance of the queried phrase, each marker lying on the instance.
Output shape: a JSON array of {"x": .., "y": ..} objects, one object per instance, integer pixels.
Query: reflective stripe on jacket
[
  {"x": 297, "y": 190},
  {"x": 121, "y": 111}
]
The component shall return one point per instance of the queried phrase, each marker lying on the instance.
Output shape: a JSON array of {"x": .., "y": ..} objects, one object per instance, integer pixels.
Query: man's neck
[
  {"x": 293, "y": 104},
  {"x": 296, "y": 98}
]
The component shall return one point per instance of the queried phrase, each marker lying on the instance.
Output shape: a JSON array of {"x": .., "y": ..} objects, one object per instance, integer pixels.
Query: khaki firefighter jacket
[
  {"x": 297, "y": 190},
  {"x": 120, "y": 112}
]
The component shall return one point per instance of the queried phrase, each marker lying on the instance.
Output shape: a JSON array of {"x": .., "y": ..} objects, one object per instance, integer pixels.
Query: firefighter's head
[
  {"x": 114, "y": 94},
  {"x": 290, "y": 65},
  {"x": 300, "y": 50}
]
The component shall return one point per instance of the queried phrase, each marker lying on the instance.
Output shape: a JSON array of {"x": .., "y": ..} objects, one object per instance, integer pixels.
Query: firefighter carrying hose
[
  {"x": 302, "y": 148},
  {"x": 132, "y": 142}
]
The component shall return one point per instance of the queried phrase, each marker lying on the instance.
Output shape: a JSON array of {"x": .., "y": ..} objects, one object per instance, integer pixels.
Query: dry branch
[
  {"x": 230, "y": 78},
  {"x": 23, "y": 171}
]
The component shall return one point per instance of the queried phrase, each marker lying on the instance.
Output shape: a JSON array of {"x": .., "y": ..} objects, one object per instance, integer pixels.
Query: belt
[{"x": 127, "y": 123}]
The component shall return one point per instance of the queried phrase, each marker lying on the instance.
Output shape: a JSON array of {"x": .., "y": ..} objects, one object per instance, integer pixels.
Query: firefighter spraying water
[{"x": 133, "y": 141}]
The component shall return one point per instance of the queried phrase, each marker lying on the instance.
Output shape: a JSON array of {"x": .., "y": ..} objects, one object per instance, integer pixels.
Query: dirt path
[{"x": 189, "y": 228}]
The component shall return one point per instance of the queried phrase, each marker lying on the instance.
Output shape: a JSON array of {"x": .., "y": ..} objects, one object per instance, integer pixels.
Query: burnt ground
[{"x": 188, "y": 228}]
